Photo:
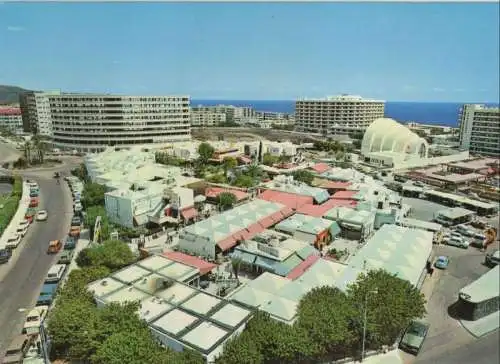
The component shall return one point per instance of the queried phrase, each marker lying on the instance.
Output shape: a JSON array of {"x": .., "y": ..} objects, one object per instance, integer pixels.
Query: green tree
[
  {"x": 391, "y": 305},
  {"x": 244, "y": 181},
  {"x": 269, "y": 159},
  {"x": 93, "y": 194},
  {"x": 112, "y": 254},
  {"x": 325, "y": 314},
  {"x": 217, "y": 178},
  {"x": 226, "y": 200},
  {"x": 205, "y": 152},
  {"x": 81, "y": 172},
  {"x": 303, "y": 176},
  {"x": 253, "y": 171},
  {"x": 228, "y": 164},
  {"x": 90, "y": 218}
]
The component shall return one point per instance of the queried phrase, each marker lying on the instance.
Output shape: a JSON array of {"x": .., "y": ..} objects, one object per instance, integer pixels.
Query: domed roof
[{"x": 387, "y": 135}]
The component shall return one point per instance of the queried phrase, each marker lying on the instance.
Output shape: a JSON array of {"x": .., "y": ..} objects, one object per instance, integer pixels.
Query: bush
[
  {"x": 11, "y": 203},
  {"x": 112, "y": 254}
]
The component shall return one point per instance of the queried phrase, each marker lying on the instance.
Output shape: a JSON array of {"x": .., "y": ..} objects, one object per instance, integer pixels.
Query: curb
[{"x": 21, "y": 210}]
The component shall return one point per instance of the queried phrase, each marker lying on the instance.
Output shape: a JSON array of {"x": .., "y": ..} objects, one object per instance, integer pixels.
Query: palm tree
[
  {"x": 253, "y": 171},
  {"x": 27, "y": 151},
  {"x": 236, "y": 264},
  {"x": 40, "y": 146}
]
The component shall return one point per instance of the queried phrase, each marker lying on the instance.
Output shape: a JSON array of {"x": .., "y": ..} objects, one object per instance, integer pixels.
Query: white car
[
  {"x": 458, "y": 242},
  {"x": 41, "y": 215},
  {"x": 22, "y": 228},
  {"x": 13, "y": 241},
  {"x": 77, "y": 207}
]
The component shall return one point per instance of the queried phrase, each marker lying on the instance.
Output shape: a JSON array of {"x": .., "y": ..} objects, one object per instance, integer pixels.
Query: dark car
[
  {"x": 492, "y": 259},
  {"x": 414, "y": 337},
  {"x": 70, "y": 243},
  {"x": 76, "y": 221},
  {"x": 56, "y": 175},
  {"x": 47, "y": 294},
  {"x": 5, "y": 255}
]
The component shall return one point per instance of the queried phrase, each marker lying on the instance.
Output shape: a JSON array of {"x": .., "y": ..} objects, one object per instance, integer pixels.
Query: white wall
[{"x": 119, "y": 210}]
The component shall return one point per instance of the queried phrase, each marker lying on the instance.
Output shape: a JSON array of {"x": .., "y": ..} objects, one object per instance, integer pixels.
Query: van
[
  {"x": 34, "y": 320},
  {"x": 55, "y": 274},
  {"x": 16, "y": 350}
]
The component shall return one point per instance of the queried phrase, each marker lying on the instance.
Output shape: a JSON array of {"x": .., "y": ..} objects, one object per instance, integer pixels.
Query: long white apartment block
[
  {"x": 203, "y": 117},
  {"x": 93, "y": 122},
  {"x": 35, "y": 109},
  {"x": 343, "y": 114},
  {"x": 480, "y": 129}
]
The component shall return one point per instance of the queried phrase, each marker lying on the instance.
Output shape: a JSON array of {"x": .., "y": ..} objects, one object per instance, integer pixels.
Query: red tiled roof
[
  {"x": 287, "y": 211},
  {"x": 277, "y": 216},
  {"x": 288, "y": 199},
  {"x": 244, "y": 159},
  {"x": 189, "y": 213},
  {"x": 10, "y": 111},
  {"x": 321, "y": 167},
  {"x": 213, "y": 192},
  {"x": 266, "y": 222},
  {"x": 227, "y": 243},
  {"x": 302, "y": 267},
  {"x": 203, "y": 266},
  {"x": 320, "y": 210},
  {"x": 255, "y": 229},
  {"x": 335, "y": 185},
  {"x": 344, "y": 195}
]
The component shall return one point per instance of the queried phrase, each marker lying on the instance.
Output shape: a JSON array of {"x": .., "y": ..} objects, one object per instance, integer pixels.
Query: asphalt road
[
  {"x": 22, "y": 277},
  {"x": 446, "y": 336},
  {"x": 483, "y": 351}
]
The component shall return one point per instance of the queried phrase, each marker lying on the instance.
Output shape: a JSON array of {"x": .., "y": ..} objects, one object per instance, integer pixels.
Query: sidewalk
[
  {"x": 18, "y": 216},
  {"x": 482, "y": 326}
]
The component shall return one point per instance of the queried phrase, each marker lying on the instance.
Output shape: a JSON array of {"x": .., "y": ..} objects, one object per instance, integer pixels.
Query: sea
[{"x": 433, "y": 113}]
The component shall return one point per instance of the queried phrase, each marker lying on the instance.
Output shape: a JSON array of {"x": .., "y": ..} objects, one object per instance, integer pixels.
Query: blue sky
[{"x": 414, "y": 52}]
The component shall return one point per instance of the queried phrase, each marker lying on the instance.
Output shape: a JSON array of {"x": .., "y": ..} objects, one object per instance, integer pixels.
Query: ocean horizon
[{"x": 434, "y": 113}]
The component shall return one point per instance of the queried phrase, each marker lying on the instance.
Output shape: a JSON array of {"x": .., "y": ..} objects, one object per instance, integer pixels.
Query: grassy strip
[{"x": 10, "y": 203}]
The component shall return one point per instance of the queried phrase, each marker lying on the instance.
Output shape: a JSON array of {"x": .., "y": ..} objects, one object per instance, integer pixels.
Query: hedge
[{"x": 11, "y": 203}]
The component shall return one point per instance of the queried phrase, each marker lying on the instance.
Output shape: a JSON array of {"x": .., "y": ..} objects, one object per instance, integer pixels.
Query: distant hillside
[{"x": 10, "y": 94}]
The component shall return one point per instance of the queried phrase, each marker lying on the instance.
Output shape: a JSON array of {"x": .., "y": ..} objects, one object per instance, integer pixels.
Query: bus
[{"x": 481, "y": 297}]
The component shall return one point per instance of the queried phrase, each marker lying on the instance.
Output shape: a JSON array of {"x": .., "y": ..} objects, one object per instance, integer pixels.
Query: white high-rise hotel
[
  {"x": 92, "y": 122},
  {"x": 343, "y": 114},
  {"x": 480, "y": 129}
]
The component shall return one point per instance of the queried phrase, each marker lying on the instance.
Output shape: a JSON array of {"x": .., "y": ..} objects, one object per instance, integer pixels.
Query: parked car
[
  {"x": 70, "y": 243},
  {"x": 5, "y": 255},
  {"x": 22, "y": 228},
  {"x": 492, "y": 259},
  {"x": 34, "y": 320},
  {"x": 16, "y": 350},
  {"x": 66, "y": 257},
  {"x": 54, "y": 247},
  {"x": 13, "y": 241},
  {"x": 47, "y": 294},
  {"x": 55, "y": 273},
  {"x": 442, "y": 262},
  {"x": 42, "y": 215},
  {"x": 76, "y": 221},
  {"x": 458, "y": 242},
  {"x": 414, "y": 337},
  {"x": 464, "y": 230},
  {"x": 56, "y": 175},
  {"x": 74, "y": 232},
  {"x": 77, "y": 207}
]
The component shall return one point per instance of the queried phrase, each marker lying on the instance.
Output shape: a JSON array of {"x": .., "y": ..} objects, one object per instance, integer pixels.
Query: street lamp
[{"x": 374, "y": 291}]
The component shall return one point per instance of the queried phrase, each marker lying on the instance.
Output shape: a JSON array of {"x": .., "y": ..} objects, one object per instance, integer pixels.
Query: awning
[
  {"x": 335, "y": 229},
  {"x": 227, "y": 243},
  {"x": 189, "y": 213},
  {"x": 243, "y": 256},
  {"x": 265, "y": 263},
  {"x": 346, "y": 225}
]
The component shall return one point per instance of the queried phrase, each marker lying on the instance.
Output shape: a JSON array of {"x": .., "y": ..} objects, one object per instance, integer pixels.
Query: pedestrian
[{"x": 431, "y": 271}]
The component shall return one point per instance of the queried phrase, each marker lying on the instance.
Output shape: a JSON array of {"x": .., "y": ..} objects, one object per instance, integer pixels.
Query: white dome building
[{"x": 388, "y": 143}]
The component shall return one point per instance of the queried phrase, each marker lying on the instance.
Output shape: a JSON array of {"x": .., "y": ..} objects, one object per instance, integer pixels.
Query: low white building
[{"x": 179, "y": 315}]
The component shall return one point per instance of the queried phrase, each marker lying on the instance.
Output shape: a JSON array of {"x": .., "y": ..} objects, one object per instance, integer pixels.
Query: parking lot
[
  {"x": 422, "y": 209},
  {"x": 446, "y": 333}
]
